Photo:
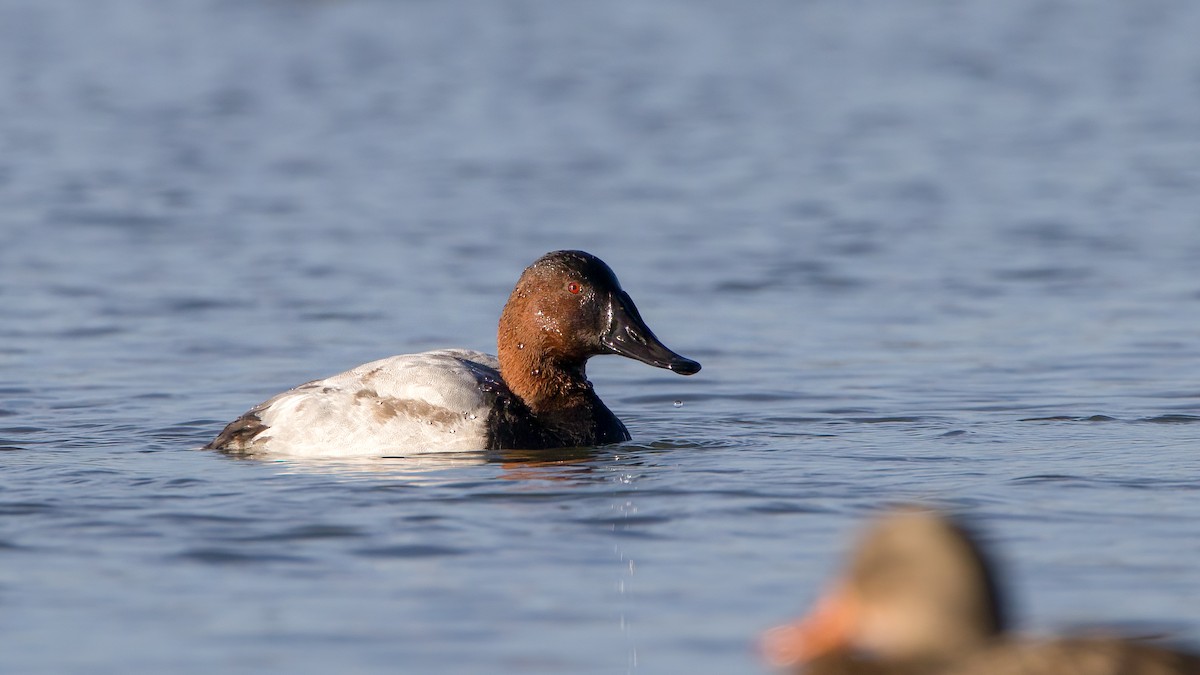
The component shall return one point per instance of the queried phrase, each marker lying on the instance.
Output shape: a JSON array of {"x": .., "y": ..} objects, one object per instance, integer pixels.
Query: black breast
[{"x": 512, "y": 425}]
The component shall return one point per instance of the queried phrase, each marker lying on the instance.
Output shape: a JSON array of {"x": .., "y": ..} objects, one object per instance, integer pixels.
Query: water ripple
[
  {"x": 410, "y": 551},
  {"x": 26, "y": 508},
  {"x": 1171, "y": 419},
  {"x": 310, "y": 532},
  {"x": 225, "y": 556}
]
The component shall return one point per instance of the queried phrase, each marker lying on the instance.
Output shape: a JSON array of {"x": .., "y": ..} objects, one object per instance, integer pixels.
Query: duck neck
[{"x": 546, "y": 385}]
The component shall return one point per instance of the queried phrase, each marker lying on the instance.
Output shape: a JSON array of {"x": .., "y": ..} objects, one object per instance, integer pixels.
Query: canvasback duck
[
  {"x": 567, "y": 307},
  {"x": 920, "y": 598}
]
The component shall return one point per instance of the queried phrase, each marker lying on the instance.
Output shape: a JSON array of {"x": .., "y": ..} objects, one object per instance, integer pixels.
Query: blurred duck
[{"x": 920, "y": 599}]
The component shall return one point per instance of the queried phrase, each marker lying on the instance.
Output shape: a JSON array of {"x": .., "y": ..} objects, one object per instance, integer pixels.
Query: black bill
[{"x": 628, "y": 335}]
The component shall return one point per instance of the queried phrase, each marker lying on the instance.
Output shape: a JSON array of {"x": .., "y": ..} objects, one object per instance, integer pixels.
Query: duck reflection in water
[
  {"x": 920, "y": 598},
  {"x": 560, "y": 464}
]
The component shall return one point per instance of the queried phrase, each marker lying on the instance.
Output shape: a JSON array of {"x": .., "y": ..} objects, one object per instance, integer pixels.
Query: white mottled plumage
[{"x": 436, "y": 401}]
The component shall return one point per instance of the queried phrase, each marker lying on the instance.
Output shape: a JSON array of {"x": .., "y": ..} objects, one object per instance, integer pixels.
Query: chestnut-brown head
[
  {"x": 918, "y": 588},
  {"x": 567, "y": 307}
]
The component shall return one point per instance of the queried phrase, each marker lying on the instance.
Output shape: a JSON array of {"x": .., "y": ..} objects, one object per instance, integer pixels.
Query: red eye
[{"x": 573, "y": 288}]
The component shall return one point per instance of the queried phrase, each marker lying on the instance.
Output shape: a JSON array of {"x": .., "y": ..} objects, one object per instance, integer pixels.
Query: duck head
[
  {"x": 567, "y": 307},
  {"x": 918, "y": 589}
]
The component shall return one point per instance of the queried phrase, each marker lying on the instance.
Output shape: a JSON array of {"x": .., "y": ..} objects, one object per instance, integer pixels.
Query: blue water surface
[{"x": 934, "y": 251}]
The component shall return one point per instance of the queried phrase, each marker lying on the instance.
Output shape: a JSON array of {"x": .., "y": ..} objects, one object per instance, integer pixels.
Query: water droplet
[
  {"x": 678, "y": 404},
  {"x": 535, "y": 372},
  {"x": 520, "y": 345}
]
